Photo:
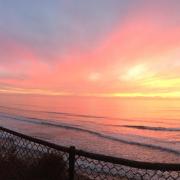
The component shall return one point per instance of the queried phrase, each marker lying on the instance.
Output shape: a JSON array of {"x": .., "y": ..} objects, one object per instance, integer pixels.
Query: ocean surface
[{"x": 145, "y": 129}]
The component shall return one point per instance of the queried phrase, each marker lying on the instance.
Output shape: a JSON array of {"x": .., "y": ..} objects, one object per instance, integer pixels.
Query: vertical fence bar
[{"x": 71, "y": 162}]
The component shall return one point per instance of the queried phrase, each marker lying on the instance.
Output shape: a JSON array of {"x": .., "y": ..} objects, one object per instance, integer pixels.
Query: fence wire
[
  {"x": 21, "y": 156},
  {"x": 103, "y": 170},
  {"x": 23, "y": 159}
]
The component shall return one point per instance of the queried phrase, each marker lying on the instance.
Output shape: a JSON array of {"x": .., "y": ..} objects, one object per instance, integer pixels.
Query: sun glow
[
  {"x": 157, "y": 82},
  {"x": 170, "y": 94}
]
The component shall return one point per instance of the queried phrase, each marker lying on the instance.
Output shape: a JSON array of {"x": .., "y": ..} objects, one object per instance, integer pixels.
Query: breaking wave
[{"x": 152, "y": 128}]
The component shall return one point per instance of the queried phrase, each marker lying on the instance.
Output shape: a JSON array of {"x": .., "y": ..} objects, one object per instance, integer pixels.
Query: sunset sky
[{"x": 90, "y": 47}]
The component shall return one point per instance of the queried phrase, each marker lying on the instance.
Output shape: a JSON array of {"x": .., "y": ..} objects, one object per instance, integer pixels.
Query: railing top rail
[{"x": 94, "y": 156}]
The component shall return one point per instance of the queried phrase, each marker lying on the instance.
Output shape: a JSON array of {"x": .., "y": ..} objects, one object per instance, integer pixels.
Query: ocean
[{"x": 143, "y": 129}]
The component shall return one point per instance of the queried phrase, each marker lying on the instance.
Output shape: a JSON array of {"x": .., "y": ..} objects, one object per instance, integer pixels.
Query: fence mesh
[
  {"x": 102, "y": 170},
  {"x": 19, "y": 155},
  {"x": 21, "y": 159}
]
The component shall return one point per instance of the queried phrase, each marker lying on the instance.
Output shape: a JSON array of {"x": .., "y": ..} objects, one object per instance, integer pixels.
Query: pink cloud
[{"x": 141, "y": 39}]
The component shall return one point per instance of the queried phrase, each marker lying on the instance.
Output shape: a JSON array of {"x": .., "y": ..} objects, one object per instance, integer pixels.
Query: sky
[{"x": 90, "y": 48}]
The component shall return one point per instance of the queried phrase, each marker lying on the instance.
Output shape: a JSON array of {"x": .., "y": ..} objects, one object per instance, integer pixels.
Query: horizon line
[{"x": 41, "y": 92}]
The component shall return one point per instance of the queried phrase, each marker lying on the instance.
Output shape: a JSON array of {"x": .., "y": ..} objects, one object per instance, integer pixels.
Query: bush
[{"x": 47, "y": 167}]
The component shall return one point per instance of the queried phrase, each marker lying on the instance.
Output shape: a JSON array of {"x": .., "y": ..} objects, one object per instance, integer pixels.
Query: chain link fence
[
  {"x": 105, "y": 170},
  {"x": 23, "y": 158}
]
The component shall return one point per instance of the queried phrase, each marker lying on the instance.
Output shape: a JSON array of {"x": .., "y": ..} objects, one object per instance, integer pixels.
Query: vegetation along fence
[{"x": 25, "y": 157}]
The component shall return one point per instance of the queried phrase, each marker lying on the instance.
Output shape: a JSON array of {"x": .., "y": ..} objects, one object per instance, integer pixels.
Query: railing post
[{"x": 71, "y": 162}]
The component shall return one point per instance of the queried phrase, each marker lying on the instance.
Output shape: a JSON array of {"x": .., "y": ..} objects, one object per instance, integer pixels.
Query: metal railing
[{"x": 84, "y": 165}]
